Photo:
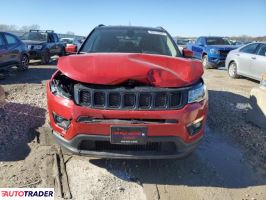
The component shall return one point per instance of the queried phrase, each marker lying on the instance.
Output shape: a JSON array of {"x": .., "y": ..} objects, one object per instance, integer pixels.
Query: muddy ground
[{"x": 229, "y": 164}]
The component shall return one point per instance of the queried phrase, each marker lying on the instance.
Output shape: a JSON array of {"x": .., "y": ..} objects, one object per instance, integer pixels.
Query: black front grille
[
  {"x": 138, "y": 98},
  {"x": 99, "y": 99},
  {"x": 85, "y": 97},
  {"x": 129, "y": 100}
]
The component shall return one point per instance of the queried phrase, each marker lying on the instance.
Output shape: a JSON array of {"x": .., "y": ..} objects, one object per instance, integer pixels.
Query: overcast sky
[{"x": 180, "y": 18}]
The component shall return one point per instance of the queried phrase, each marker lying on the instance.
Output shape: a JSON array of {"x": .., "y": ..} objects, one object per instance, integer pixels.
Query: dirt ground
[{"x": 229, "y": 164}]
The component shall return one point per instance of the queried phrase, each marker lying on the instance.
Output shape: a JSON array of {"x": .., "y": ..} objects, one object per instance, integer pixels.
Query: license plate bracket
[{"x": 128, "y": 135}]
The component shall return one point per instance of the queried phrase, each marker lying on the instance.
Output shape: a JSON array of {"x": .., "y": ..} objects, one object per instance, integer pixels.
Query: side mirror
[
  {"x": 71, "y": 49},
  {"x": 187, "y": 53}
]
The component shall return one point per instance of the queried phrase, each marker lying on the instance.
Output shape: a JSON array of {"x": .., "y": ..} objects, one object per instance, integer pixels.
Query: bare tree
[
  {"x": 5, "y": 27},
  {"x": 31, "y": 27}
]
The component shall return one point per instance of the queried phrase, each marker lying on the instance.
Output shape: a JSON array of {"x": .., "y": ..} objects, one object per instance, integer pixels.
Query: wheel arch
[{"x": 203, "y": 54}]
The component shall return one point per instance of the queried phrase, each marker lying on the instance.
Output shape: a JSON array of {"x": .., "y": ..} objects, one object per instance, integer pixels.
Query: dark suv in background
[
  {"x": 13, "y": 52},
  {"x": 43, "y": 44}
]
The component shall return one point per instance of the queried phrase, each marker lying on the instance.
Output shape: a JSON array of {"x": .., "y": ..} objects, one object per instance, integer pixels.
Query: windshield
[
  {"x": 130, "y": 41},
  {"x": 217, "y": 41},
  {"x": 35, "y": 36}
]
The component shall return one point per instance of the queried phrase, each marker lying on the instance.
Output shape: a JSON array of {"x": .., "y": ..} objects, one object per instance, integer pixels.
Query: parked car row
[
  {"x": 33, "y": 45},
  {"x": 247, "y": 60}
]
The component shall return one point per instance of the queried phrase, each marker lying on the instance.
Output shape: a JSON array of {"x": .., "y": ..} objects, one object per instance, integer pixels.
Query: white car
[{"x": 248, "y": 60}]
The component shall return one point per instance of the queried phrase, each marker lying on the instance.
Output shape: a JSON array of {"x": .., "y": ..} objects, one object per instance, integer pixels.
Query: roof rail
[
  {"x": 47, "y": 31},
  {"x": 100, "y": 25},
  {"x": 159, "y": 27}
]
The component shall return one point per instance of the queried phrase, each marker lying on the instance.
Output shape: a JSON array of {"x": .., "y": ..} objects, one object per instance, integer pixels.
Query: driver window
[{"x": 51, "y": 38}]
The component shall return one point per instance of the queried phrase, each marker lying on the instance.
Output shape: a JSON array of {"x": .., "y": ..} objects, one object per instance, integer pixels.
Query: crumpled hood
[
  {"x": 116, "y": 68},
  {"x": 223, "y": 47},
  {"x": 33, "y": 42}
]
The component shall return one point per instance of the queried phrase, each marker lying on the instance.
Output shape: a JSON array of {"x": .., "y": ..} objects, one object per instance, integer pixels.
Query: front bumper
[
  {"x": 216, "y": 62},
  {"x": 159, "y": 131},
  {"x": 182, "y": 149}
]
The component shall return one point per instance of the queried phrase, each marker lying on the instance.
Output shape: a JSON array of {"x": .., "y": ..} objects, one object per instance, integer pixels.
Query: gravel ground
[
  {"x": 228, "y": 106},
  {"x": 230, "y": 163}
]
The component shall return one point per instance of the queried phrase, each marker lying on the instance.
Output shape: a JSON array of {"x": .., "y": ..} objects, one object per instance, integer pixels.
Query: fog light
[
  {"x": 61, "y": 122},
  {"x": 195, "y": 126}
]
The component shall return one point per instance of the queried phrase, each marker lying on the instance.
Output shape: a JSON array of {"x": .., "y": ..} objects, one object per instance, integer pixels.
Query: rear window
[{"x": 130, "y": 41}]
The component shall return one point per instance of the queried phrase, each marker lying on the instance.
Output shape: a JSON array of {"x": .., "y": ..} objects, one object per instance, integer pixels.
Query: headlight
[
  {"x": 59, "y": 89},
  {"x": 38, "y": 47},
  {"x": 214, "y": 51},
  {"x": 198, "y": 93}
]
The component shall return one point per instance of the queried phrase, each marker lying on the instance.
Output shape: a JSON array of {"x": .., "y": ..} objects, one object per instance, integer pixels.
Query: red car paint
[{"x": 112, "y": 69}]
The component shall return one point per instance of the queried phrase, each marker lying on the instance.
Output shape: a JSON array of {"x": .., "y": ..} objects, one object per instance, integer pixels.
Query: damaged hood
[{"x": 116, "y": 68}]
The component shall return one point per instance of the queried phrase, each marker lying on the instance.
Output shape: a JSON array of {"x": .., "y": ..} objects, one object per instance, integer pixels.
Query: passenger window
[
  {"x": 251, "y": 48},
  {"x": 11, "y": 40},
  {"x": 55, "y": 38},
  {"x": 51, "y": 38},
  {"x": 262, "y": 50}
]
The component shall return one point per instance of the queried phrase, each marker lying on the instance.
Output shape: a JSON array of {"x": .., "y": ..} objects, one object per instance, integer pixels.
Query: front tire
[
  {"x": 24, "y": 63},
  {"x": 232, "y": 70}
]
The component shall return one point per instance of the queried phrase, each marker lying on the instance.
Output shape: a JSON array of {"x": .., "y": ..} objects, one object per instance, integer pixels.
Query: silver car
[{"x": 248, "y": 61}]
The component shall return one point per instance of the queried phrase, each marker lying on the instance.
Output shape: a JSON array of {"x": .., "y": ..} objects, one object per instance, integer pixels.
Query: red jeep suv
[{"x": 128, "y": 93}]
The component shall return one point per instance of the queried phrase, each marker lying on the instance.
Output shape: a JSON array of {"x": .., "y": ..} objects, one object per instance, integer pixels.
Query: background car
[
  {"x": 182, "y": 43},
  {"x": 212, "y": 50},
  {"x": 248, "y": 61},
  {"x": 43, "y": 44},
  {"x": 72, "y": 45},
  {"x": 13, "y": 52}
]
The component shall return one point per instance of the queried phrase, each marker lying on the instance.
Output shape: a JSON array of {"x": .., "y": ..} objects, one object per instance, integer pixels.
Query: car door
[
  {"x": 3, "y": 51},
  {"x": 13, "y": 52},
  {"x": 258, "y": 65},
  {"x": 57, "y": 44},
  {"x": 51, "y": 44},
  {"x": 244, "y": 58}
]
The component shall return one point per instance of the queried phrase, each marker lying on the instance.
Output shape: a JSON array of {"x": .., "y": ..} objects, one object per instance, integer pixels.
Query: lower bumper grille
[{"x": 107, "y": 146}]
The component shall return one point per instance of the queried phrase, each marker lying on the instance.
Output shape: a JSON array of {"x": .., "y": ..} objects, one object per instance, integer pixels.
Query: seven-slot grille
[{"x": 138, "y": 98}]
